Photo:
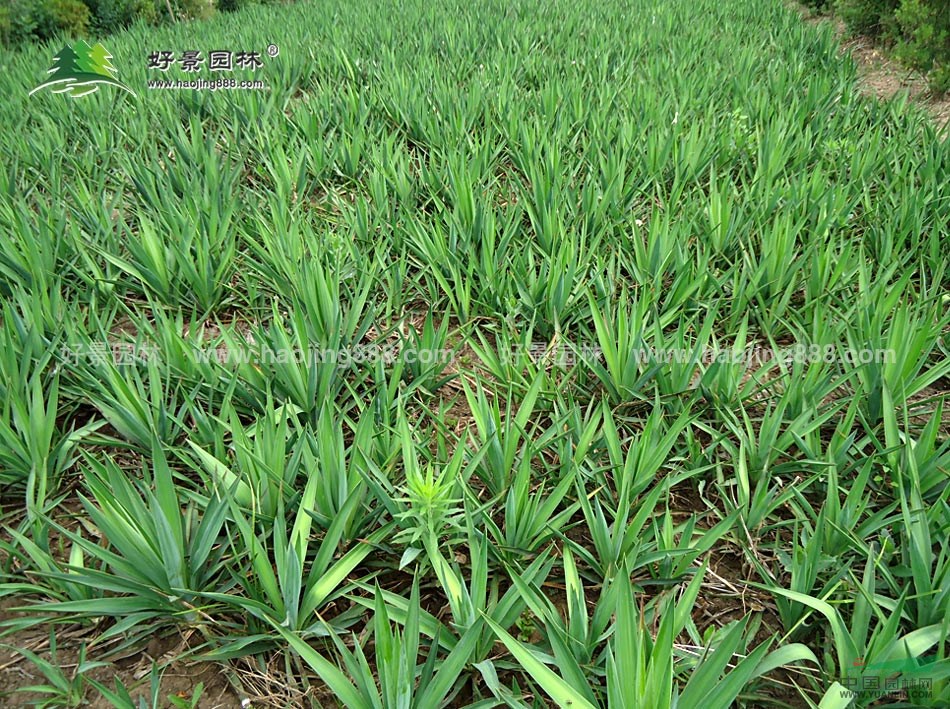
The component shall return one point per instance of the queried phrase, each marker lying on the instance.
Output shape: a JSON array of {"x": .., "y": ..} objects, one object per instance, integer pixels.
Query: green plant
[
  {"x": 926, "y": 45},
  {"x": 6, "y": 25},
  {"x": 64, "y": 690},
  {"x": 657, "y": 287},
  {"x": 120, "y": 698},
  {"x": 159, "y": 555},
  {"x": 873, "y": 637},
  {"x": 426, "y": 355},
  {"x": 872, "y": 17},
  {"x": 393, "y": 683},
  {"x": 641, "y": 669},
  {"x": 113, "y": 16},
  {"x": 70, "y": 17},
  {"x": 275, "y": 586}
]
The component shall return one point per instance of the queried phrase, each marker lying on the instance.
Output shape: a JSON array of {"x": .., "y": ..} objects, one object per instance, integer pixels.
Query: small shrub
[
  {"x": 197, "y": 9},
  {"x": 925, "y": 41},
  {"x": 68, "y": 16},
  {"x": 17, "y": 22},
  {"x": 919, "y": 31},
  {"x": 6, "y": 25},
  {"x": 870, "y": 17},
  {"x": 112, "y": 15},
  {"x": 818, "y": 5},
  {"x": 940, "y": 79}
]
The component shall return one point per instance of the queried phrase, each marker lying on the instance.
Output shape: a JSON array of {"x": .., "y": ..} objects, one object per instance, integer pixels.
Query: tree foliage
[
  {"x": 25, "y": 20},
  {"x": 917, "y": 30}
]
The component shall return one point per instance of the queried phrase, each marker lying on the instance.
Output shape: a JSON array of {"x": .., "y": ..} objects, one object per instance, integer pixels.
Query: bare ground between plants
[{"x": 179, "y": 678}]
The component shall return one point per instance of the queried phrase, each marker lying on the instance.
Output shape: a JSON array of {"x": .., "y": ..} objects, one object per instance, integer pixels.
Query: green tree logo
[{"x": 79, "y": 70}]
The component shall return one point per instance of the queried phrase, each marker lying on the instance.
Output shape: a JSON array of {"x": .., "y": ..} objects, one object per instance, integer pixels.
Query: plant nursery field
[{"x": 530, "y": 353}]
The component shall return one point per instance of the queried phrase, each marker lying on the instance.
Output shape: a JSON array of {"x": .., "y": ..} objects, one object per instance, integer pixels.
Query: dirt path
[{"x": 881, "y": 76}]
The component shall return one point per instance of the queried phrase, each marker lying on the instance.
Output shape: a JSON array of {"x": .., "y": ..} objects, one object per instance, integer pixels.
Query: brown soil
[
  {"x": 179, "y": 677},
  {"x": 883, "y": 78}
]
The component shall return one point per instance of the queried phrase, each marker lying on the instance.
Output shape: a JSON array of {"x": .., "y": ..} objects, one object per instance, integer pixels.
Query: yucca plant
[
  {"x": 425, "y": 355},
  {"x": 120, "y": 697},
  {"x": 283, "y": 577},
  {"x": 391, "y": 680},
  {"x": 773, "y": 443},
  {"x": 804, "y": 563},
  {"x": 469, "y": 597},
  {"x": 269, "y": 455},
  {"x": 141, "y": 400},
  {"x": 446, "y": 273},
  {"x": 928, "y": 564},
  {"x": 874, "y": 635},
  {"x": 62, "y": 688},
  {"x": 532, "y": 517},
  {"x": 44, "y": 564},
  {"x": 25, "y": 260},
  {"x": 617, "y": 533},
  {"x": 34, "y": 448},
  {"x": 550, "y": 293},
  {"x": 901, "y": 341},
  {"x": 753, "y": 498},
  {"x": 34, "y": 452},
  {"x": 913, "y": 455},
  {"x": 633, "y": 463},
  {"x": 496, "y": 174},
  {"x": 162, "y": 550},
  {"x": 640, "y": 669},
  {"x": 517, "y": 357},
  {"x": 502, "y": 438},
  {"x": 187, "y": 268},
  {"x": 283, "y": 361},
  {"x": 626, "y": 372}
]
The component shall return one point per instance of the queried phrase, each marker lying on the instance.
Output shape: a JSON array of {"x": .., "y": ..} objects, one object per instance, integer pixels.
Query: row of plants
[
  {"x": 308, "y": 509},
  {"x": 555, "y": 194}
]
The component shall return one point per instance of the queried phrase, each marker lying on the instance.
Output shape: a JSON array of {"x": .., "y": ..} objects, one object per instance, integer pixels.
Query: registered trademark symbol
[{"x": 273, "y": 50}]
